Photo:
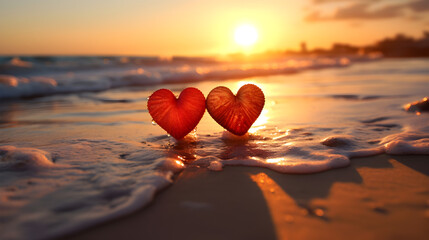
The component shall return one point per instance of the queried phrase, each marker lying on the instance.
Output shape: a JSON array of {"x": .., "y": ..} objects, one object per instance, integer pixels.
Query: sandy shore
[{"x": 382, "y": 197}]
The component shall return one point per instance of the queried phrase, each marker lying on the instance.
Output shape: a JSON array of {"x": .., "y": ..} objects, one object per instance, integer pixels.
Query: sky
[{"x": 199, "y": 27}]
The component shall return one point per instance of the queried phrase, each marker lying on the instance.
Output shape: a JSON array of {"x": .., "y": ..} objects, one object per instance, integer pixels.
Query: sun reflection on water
[
  {"x": 260, "y": 123},
  {"x": 180, "y": 163},
  {"x": 276, "y": 160}
]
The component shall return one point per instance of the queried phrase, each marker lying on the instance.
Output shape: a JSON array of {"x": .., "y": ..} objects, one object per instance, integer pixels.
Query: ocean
[{"x": 78, "y": 146}]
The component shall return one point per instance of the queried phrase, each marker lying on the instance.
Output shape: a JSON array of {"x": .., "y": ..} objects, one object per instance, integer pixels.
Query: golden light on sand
[
  {"x": 281, "y": 206},
  {"x": 246, "y": 35}
]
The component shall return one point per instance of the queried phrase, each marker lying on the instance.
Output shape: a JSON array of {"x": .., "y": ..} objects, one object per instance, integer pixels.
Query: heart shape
[
  {"x": 179, "y": 116},
  {"x": 236, "y": 113}
]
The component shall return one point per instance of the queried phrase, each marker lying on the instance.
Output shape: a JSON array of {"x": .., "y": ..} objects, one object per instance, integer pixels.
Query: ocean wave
[{"x": 42, "y": 83}]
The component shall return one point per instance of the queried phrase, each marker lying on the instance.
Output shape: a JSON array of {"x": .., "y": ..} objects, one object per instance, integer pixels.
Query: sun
[{"x": 246, "y": 35}]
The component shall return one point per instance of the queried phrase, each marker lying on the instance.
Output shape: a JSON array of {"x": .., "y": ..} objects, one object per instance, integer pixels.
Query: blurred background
[{"x": 205, "y": 28}]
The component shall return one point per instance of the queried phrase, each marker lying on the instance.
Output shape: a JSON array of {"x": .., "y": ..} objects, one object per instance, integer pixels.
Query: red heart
[
  {"x": 177, "y": 116},
  {"x": 236, "y": 113}
]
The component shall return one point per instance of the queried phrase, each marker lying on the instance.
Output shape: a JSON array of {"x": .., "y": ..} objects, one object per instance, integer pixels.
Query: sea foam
[
  {"x": 292, "y": 151},
  {"x": 407, "y": 143},
  {"x": 12, "y": 158},
  {"x": 105, "y": 190}
]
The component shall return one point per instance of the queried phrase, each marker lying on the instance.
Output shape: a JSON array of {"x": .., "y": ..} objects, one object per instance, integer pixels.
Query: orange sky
[{"x": 197, "y": 27}]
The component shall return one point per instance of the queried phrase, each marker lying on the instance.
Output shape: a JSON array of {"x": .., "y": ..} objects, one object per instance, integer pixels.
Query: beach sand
[{"x": 381, "y": 197}]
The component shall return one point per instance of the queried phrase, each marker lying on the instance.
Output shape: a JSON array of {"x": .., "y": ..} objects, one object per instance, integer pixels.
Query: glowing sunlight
[{"x": 246, "y": 35}]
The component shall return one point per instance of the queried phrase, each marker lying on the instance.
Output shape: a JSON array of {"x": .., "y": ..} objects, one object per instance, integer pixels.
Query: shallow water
[{"x": 71, "y": 161}]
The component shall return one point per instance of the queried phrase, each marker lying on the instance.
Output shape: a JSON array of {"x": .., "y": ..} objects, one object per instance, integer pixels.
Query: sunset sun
[{"x": 246, "y": 35}]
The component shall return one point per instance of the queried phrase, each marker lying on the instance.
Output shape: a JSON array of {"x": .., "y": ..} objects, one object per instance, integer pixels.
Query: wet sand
[{"x": 381, "y": 197}]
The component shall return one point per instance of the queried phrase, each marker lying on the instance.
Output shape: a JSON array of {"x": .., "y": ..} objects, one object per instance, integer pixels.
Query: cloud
[
  {"x": 364, "y": 10},
  {"x": 419, "y": 6},
  {"x": 358, "y": 11},
  {"x": 339, "y": 1}
]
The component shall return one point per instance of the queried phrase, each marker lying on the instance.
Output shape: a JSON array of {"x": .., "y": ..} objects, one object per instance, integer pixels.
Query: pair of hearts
[{"x": 180, "y": 116}]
